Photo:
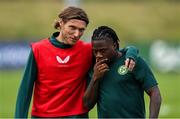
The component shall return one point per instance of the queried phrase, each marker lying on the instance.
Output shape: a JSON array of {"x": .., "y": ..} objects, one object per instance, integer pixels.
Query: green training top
[{"x": 121, "y": 92}]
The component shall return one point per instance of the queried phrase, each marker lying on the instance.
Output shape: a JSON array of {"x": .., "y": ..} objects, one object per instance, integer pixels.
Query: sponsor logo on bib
[{"x": 61, "y": 61}]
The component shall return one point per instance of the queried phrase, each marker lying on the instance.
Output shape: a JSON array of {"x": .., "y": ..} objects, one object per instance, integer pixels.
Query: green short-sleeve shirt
[{"x": 121, "y": 92}]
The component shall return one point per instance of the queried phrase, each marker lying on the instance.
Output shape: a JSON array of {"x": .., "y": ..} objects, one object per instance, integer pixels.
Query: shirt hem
[{"x": 58, "y": 115}]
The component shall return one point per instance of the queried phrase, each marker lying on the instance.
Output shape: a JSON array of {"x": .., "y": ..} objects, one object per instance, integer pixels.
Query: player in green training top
[{"x": 119, "y": 93}]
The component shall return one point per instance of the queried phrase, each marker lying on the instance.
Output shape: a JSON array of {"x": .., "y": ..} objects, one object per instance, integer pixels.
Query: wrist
[{"x": 95, "y": 79}]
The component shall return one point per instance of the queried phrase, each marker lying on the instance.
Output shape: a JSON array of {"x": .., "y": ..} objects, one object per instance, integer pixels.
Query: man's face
[
  {"x": 72, "y": 30},
  {"x": 103, "y": 49}
]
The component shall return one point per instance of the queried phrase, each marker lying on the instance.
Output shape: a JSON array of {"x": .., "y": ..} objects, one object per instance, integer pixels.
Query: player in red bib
[{"x": 57, "y": 71}]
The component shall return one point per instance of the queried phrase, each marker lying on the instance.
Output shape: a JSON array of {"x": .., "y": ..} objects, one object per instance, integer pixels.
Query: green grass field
[{"x": 169, "y": 86}]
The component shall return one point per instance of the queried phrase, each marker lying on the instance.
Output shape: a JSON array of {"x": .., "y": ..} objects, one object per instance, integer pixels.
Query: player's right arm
[
  {"x": 91, "y": 93},
  {"x": 26, "y": 88},
  {"x": 155, "y": 101},
  {"x": 145, "y": 76}
]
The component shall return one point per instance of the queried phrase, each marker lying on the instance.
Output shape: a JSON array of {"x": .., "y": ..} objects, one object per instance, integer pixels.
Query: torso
[
  {"x": 120, "y": 94},
  {"x": 61, "y": 79}
]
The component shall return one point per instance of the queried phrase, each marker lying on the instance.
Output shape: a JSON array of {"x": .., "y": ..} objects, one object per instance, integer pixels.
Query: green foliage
[{"x": 132, "y": 20}]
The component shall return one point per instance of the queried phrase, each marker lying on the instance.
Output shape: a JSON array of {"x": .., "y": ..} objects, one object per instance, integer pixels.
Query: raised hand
[
  {"x": 130, "y": 64},
  {"x": 100, "y": 68}
]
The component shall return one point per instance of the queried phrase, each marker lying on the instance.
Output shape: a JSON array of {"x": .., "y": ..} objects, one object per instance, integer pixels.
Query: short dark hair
[
  {"x": 72, "y": 13},
  {"x": 104, "y": 33}
]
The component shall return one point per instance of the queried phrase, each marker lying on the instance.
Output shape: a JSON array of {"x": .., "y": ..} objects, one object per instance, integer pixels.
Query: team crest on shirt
[
  {"x": 61, "y": 61},
  {"x": 122, "y": 70}
]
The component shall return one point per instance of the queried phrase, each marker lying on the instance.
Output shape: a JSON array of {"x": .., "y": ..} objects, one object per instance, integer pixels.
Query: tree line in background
[{"x": 145, "y": 21}]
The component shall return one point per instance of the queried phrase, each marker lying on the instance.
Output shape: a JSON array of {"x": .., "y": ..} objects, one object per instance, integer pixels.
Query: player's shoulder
[
  {"x": 40, "y": 42},
  {"x": 142, "y": 62}
]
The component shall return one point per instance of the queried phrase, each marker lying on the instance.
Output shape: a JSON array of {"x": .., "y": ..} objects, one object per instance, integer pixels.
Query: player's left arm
[
  {"x": 131, "y": 53},
  {"x": 155, "y": 101}
]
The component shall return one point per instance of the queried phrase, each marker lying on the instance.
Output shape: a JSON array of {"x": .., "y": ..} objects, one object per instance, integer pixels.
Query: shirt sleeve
[
  {"x": 144, "y": 74},
  {"x": 26, "y": 88},
  {"x": 131, "y": 52}
]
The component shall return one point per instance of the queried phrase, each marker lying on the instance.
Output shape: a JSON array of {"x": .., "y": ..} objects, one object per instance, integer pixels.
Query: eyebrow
[{"x": 76, "y": 27}]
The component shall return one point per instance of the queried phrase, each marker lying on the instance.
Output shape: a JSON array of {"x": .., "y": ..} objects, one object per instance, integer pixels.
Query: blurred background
[{"x": 153, "y": 26}]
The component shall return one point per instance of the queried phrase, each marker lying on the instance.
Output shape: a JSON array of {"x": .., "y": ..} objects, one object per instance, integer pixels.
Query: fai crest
[{"x": 122, "y": 70}]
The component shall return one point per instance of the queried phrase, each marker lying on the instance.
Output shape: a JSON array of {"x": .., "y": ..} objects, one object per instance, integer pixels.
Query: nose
[{"x": 99, "y": 55}]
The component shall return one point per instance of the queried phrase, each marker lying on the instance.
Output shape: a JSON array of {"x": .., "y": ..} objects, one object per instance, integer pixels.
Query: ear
[
  {"x": 60, "y": 23},
  {"x": 114, "y": 45}
]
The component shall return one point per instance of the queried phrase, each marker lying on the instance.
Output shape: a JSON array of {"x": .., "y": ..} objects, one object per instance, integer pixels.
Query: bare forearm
[
  {"x": 155, "y": 107},
  {"x": 155, "y": 103},
  {"x": 91, "y": 94}
]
